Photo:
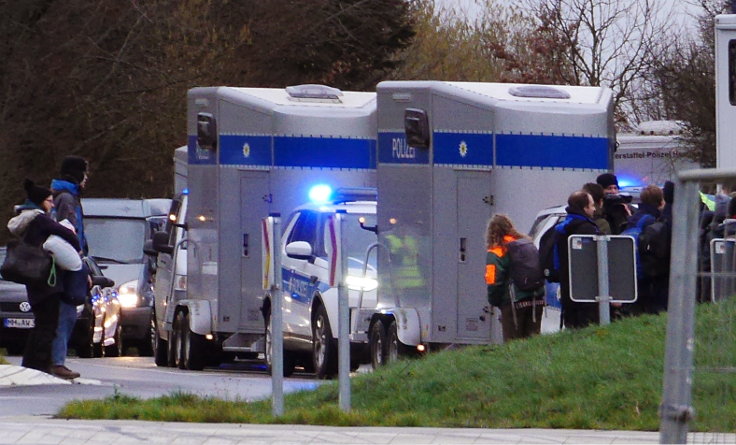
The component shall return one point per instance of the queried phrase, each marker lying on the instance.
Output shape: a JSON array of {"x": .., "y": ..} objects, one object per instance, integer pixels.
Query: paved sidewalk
[{"x": 44, "y": 430}]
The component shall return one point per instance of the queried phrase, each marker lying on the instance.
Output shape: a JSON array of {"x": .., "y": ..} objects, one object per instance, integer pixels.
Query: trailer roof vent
[
  {"x": 313, "y": 93},
  {"x": 539, "y": 91}
]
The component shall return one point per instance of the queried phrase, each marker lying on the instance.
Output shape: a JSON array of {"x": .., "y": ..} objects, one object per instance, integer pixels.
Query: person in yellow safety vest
[{"x": 405, "y": 261}]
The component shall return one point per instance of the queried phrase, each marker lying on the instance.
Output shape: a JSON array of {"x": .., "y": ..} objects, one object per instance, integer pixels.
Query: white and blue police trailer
[
  {"x": 451, "y": 154},
  {"x": 253, "y": 152},
  {"x": 725, "y": 36}
]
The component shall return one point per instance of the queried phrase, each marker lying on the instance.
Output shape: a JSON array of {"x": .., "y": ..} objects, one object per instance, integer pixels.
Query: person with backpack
[
  {"x": 514, "y": 278},
  {"x": 649, "y": 268},
  {"x": 67, "y": 192},
  {"x": 580, "y": 211}
]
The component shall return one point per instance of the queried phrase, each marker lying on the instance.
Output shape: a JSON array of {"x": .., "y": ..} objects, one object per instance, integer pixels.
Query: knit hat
[
  {"x": 36, "y": 194},
  {"x": 73, "y": 168},
  {"x": 606, "y": 180}
]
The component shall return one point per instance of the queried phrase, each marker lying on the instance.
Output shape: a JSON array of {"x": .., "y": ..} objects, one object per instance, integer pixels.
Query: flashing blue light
[
  {"x": 628, "y": 181},
  {"x": 185, "y": 191},
  {"x": 320, "y": 193}
]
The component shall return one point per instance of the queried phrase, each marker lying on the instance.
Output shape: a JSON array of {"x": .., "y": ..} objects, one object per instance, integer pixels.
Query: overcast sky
[{"x": 682, "y": 9}]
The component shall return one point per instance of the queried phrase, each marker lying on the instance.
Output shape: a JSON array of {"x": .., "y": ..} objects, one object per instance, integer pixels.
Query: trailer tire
[
  {"x": 288, "y": 358},
  {"x": 378, "y": 344},
  {"x": 193, "y": 347},
  {"x": 175, "y": 341},
  {"x": 324, "y": 350},
  {"x": 395, "y": 350}
]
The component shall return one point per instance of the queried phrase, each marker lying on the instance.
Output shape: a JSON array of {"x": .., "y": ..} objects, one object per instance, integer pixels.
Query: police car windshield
[{"x": 358, "y": 240}]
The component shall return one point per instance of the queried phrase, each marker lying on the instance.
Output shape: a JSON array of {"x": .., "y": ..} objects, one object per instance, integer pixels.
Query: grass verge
[{"x": 594, "y": 378}]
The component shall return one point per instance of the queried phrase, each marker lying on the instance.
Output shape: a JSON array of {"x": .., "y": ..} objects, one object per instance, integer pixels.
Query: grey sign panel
[
  {"x": 723, "y": 268},
  {"x": 583, "y": 262}
]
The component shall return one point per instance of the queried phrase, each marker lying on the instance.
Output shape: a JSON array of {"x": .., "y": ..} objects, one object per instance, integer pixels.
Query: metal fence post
[
  {"x": 277, "y": 334},
  {"x": 604, "y": 297},
  {"x": 343, "y": 321},
  {"x": 675, "y": 410}
]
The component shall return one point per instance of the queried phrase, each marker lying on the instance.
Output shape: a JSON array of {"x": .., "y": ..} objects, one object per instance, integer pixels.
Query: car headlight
[
  {"x": 361, "y": 283},
  {"x": 127, "y": 294}
]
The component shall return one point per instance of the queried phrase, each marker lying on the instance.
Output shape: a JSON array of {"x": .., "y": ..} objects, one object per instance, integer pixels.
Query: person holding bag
[{"x": 34, "y": 226}]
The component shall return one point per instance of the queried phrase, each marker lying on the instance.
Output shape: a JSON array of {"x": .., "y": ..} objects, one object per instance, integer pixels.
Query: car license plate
[{"x": 22, "y": 323}]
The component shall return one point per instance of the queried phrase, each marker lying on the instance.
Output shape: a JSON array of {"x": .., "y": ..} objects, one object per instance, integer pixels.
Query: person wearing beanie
[
  {"x": 67, "y": 199},
  {"x": 34, "y": 225},
  {"x": 615, "y": 210},
  {"x": 609, "y": 182}
]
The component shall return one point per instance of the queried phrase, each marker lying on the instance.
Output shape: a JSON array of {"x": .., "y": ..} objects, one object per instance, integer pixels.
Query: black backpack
[
  {"x": 654, "y": 249},
  {"x": 524, "y": 267}
]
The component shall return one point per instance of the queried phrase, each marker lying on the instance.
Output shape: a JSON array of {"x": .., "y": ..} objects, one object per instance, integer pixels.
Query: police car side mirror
[
  {"x": 300, "y": 250},
  {"x": 102, "y": 281}
]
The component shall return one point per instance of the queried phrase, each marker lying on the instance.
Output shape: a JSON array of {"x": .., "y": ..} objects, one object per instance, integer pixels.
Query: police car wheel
[
  {"x": 324, "y": 352},
  {"x": 288, "y": 358}
]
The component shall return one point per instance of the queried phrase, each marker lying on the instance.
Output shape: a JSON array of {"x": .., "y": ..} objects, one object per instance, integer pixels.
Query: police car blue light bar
[{"x": 320, "y": 193}]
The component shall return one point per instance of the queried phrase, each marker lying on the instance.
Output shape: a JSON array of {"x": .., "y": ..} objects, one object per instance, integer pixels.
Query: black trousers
[{"x": 37, "y": 354}]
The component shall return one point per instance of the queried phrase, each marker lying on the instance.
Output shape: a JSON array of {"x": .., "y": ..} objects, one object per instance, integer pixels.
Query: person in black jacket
[
  {"x": 580, "y": 209},
  {"x": 34, "y": 226}
]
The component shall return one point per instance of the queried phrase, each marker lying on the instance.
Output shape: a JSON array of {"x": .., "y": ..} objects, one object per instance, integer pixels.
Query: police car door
[{"x": 302, "y": 274}]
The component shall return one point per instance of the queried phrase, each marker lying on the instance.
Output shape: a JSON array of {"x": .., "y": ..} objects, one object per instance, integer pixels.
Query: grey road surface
[{"x": 140, "y": 377}]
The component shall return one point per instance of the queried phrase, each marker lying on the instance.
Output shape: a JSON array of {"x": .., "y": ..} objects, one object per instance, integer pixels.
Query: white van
[{"x": 116, "y": 230}]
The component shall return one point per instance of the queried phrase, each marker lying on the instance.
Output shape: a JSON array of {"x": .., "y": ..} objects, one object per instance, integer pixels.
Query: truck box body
[
  {"x": 271, "y": 147},
  {"x": 489, "y": 151}
]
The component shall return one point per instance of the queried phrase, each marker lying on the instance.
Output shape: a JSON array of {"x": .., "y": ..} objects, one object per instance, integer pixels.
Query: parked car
[
  {"x": 96, "y": 332},
  {"x": 116, "y": 230}
]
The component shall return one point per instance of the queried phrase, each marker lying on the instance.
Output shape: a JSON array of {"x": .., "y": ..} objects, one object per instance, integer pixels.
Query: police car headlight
[
  {"x": 127, "y": 295},
  {"x": 361, "y": 283}
]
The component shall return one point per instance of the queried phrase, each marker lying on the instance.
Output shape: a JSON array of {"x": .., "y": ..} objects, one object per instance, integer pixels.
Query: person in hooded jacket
[
  {"x": 521, "y": 311},
  {"x": 67, "y": 192},
  {"x": 34, "y": 225},
  {"x": 580, "y": 211}
]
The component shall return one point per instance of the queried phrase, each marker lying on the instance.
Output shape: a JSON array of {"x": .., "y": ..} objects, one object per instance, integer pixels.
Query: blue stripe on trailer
[
  {"x": 245, "y": 150},
  {"x": 324, "y": 152},
  {"x": 198, "y": 156},
  {"x": 552, "y": 151},
  {"x": 392, "y": 149},
  {"x": 463, "y": 149}
]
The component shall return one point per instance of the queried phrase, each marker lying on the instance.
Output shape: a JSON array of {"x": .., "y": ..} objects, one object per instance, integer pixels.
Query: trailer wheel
[
  {"x": 193, "y": 347},
  {"x": 324, "y": 350},
  {"x": 288, "y": 358},
  {"x": 394, "y": 348},
  {"x": 175, "y": 341},
  {"x": 378, "y": 344}
]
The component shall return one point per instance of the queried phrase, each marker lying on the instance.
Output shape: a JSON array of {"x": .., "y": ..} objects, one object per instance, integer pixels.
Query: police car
[{"x": 308, "y": 246}]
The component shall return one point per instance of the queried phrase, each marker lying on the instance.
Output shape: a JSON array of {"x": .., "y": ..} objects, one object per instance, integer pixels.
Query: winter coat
[
  {"x": 498, "y": 278},
  {"x": 33, "y": 226},
  {"x": 67, "y": 205},
  {"x": 578, "y": 224}
]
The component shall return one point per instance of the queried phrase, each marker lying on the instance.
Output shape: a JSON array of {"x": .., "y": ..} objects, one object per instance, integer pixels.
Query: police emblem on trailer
[
  {"x": 463, "y": 148},
  {"x": 246, "y": 150}
]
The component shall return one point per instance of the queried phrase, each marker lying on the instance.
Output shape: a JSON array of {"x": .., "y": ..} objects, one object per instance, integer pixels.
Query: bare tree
[{"x": 608, "y": 41}]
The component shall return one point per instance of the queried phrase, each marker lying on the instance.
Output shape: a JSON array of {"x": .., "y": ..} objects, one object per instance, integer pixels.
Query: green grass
[{"x": 602, "y": 378}]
